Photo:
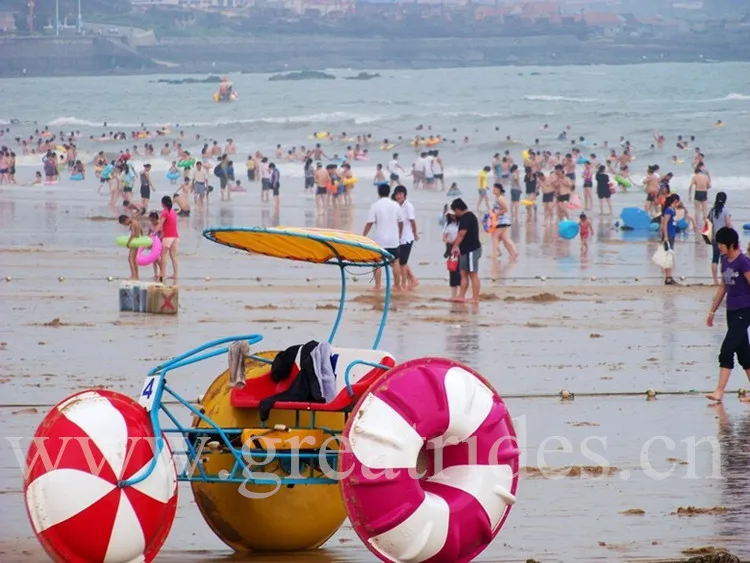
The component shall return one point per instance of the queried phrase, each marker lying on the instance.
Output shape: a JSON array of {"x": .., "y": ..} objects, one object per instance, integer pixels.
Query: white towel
[
  {"x": 321, "y": 357},
  {"x": 238, "y": 351}
]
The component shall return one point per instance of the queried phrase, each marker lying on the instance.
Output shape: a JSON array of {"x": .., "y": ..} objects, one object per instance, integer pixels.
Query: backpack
[{"x": 218, "y": 172}]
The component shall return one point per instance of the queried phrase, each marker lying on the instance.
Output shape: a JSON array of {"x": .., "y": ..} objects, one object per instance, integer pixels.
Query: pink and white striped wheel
[
  {"x": 82, "y": 449},
  {"x": 450, "y": 416}
]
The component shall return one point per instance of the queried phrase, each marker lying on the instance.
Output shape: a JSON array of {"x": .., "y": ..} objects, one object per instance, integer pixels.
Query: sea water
[{"x": 487, "y": 105}]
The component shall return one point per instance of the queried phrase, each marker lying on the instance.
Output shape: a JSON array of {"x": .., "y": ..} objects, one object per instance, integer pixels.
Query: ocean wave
[
  {"x": 732, "y": 97},
  {"x": 736, "y": 96},
  {"x": 332, "y": 117},
  {"x": 544, "y": 98}
]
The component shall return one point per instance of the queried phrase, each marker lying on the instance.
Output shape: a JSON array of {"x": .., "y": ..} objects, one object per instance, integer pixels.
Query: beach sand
[{"x": 531, "y": 338}]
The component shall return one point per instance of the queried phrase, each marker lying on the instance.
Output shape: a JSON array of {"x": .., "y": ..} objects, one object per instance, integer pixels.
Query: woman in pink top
[{"x": 169, "y": 236}]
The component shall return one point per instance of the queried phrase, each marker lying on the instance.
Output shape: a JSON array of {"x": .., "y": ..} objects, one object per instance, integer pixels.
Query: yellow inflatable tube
[
  {"x": 387, "y": 147},
  {"x": 350, "y": 181}
]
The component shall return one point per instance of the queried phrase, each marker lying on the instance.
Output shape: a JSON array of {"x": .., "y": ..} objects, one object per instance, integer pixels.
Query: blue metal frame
[{"x": 227, "y": 437}]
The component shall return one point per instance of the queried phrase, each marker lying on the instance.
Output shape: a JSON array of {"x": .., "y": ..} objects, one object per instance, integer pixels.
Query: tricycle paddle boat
[{"x": 284, "y": 445}]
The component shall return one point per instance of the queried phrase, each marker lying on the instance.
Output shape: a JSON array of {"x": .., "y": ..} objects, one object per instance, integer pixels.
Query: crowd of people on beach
[{"x": 562, "y": 185}]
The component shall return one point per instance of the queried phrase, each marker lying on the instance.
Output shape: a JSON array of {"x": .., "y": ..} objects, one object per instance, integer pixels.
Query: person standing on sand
[
  {"x": 409, "y": 235},
  {"x": 603, "y": 190},
  {"x": 701, "y": 182},
  {"x": 394, "y": 168},
  {"x": 735, "y": 285},
  {"x": 450, "y": 233},
  {"x": 322, "y": 179},
  {"x": 146, "y": 185},
  {"x": 170, "y": 237},
  {"x": 385, "y": 214},
  {"x": 719, "y": 217},
  {"x": 200, "y": 183},
  {"x": 501, "y": 229},
  {"x": 274, "y": 181},
  {"x": 470, "y": 249},
  {"x": 668, "y": 230},
  {"x": 134, "y": 227}
]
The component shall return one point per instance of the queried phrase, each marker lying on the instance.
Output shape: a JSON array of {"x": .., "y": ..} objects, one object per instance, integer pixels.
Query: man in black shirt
[{"x": 470, "y": 249}]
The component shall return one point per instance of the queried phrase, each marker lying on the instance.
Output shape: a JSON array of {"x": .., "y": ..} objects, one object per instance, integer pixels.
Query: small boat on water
[{"x": 226, "y": 92}]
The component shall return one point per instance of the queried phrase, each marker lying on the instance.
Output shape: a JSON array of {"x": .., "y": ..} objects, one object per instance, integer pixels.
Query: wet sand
[{"x": 531, "y": 338}]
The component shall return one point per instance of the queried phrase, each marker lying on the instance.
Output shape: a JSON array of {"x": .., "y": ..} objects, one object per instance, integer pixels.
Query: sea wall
[
  {"x": 68, "y": 56},
  {"x": 72, "y": 56},
  {"x": 275, "y": 53}
]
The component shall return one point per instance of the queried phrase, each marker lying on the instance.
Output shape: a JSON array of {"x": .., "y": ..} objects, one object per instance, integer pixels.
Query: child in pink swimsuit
[{"x": 586, "y": 230}]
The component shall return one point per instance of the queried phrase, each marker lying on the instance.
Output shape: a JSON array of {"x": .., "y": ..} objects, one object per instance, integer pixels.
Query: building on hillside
[{"x": 607, "y": 23}]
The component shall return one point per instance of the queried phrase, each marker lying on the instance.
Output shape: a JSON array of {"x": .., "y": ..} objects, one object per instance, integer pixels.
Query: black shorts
[
  {"x": 309, "y": 183},
  {"x": 571, "y": 176},
  {"x": 404, "y": 251},
  {"x": 588, "y": 184},
  {"x": 276, "y": 190},
  {"x": 548, "y": 198},
  {"x": 701, "y": 196},
  {"x": 251, "y": 175},
  {"x": 321, "y": 190},
  {"x": 715, "y": 254},
  {"x": 604, "y": 193},
  {"x": 515, "y": 195},
  {"x": 438, "y": 176},
  {"x": 563, "y": 198},
  {"x": 393, "y": 252},
  {"x": 394, "y": 177},
  {"x": 145, "y": 192},
  {"x": 265, "y": 184}
]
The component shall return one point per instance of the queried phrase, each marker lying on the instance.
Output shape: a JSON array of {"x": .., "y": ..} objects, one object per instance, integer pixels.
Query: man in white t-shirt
[
  {"x": 409, "y": 234},
  {"x": 385, "y": 214},
  {"x": 393, "y": 170}
]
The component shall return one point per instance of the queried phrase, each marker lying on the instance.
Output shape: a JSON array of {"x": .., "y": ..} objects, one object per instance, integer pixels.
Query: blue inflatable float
[
  {"x": 582, "y": 160},
  {"x": 568, "y": 229},
  {"x": 76, "y": 177},
  {"x": 173, "y": 175},
  {"x": 635, "y": 218},
  {"x": 746, "y": 227}
]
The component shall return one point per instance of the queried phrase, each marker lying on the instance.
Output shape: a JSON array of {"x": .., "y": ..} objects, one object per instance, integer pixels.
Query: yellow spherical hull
[{"x": 294, "y": 518}]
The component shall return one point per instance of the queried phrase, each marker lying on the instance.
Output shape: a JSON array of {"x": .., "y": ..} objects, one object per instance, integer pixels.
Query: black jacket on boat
[{"x": 305, "y": 388}]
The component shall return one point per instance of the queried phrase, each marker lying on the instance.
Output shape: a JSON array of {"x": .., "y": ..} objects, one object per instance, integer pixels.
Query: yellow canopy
[{"x": 319, "y": 246}]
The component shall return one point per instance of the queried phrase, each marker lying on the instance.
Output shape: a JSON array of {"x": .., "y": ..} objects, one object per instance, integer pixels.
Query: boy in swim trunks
[{"x": 135, "y": 231}]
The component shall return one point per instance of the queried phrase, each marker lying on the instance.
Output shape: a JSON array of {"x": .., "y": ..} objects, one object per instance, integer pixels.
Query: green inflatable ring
[
  {"x": 623, "y": 182},
  {"x": 138, "y": 242},
  {"x": 186, "y": 163}
]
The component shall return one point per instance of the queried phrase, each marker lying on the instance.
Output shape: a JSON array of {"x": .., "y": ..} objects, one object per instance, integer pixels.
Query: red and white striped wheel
[
  {"x": 82, "y": 449},
  {"x": 449, "y": 415}
]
